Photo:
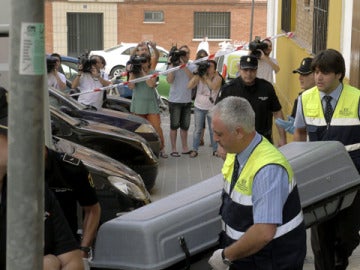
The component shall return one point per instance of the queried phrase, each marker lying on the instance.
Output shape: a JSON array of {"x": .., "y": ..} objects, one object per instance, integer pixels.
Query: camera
[
  {"x": 50, "y": 64},
  {"x": 175, "y": 55},
  {"x": 211, "y": 99},
  {"x": 202, "y": 68},
  {"x": 86, "y": 63},
  {"x": 135, "y": 63},
  {"x": 255, "y": 46}
]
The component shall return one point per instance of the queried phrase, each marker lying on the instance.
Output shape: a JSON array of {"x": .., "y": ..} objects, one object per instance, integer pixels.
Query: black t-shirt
[
  {"x": 262, "y": 97},
  {"x": 71, "y": 182},
  {"x": 58, "y": 237}
]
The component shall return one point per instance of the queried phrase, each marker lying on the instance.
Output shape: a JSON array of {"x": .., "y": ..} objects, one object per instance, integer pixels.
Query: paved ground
[{"x": 176, "y": 173}]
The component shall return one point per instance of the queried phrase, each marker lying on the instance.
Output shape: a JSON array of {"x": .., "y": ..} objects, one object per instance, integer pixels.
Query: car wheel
[{"x": 117, "y": 71}]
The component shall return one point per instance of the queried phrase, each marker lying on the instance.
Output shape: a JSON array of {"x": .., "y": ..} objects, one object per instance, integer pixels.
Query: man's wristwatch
[{"x": 224, "y": 259}]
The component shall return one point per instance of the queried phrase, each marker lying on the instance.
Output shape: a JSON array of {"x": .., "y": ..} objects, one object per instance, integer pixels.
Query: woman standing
[
  {"x": 208, "y": 86},
  {"x": 144, "y": 101}
]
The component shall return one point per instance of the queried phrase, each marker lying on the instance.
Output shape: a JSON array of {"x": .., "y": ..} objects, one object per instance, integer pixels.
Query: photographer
[
  {"x": 180, "y": 99},
  {"x": 89, "y": 78},
  {"x": 55, "y": 78},
  {"x": 267, "y": 65},
  {"x": 208, "y": 82},
  {"x": 144, "y": 100}
]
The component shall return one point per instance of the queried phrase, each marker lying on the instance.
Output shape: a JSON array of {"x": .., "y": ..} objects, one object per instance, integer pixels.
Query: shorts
[{"x": 180, "y": 115}]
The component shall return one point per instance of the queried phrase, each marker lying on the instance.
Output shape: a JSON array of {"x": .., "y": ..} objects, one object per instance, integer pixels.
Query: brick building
[{"x": 75, "y": 25}]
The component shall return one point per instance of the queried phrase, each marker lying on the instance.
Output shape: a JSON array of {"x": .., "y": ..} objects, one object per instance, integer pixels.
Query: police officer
[
  {"x": 71, "y": 182},
  {"x": 261, "y": 95},
  {"x": 262, "y": 220},
  {"x": 60, "y": 247},
  {"x": 330, "y": 111}
]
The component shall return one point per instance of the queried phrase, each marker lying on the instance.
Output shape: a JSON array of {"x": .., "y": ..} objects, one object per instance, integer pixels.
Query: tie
[
  {"x": 328, "y": 109},
  {"x": 235, "y": 174}
]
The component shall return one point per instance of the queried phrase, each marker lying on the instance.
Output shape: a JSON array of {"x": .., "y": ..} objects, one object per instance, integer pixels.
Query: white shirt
[
  {"x": 88, "y": 83},
  {"x": 265, "y": 71},
  {"x": 52, "y": 81}
]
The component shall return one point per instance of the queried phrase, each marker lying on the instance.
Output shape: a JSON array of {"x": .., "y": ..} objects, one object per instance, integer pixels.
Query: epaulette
[{"x": 70, "y": 159}]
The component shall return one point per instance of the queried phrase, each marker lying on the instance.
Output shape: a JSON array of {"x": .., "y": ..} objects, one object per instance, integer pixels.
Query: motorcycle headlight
[{"x": 129, "y": 189}]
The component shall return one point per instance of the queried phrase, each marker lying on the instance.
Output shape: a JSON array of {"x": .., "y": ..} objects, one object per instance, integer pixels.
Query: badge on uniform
[
  {"x": 72, "y": 160},
  {"x": 91, "y": 181}
]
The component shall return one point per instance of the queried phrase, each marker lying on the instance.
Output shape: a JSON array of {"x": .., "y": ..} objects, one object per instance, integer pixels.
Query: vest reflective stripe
[
  {"x": 280, "y": 230},
  {"x": 345, "y": 123},
  {"x": 240, "y": 199}
]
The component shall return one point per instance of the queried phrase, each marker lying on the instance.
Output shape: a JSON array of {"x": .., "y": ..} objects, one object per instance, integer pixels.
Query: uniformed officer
[
  {"x": 261, "y": 95},
  {"x": 71, "y": 182},
  {"x": 330, "y": 111},
  {"x": 60, "y": 247},
  {"x": 262, "y": 222}
]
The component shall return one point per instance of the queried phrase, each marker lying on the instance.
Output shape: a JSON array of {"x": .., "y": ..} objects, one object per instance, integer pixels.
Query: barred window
[
  {"x": 286, "y": 15},
  {"x": 214, "y": 25},
  {"x": 320, "y": 25},
  {"x": 153, "y": 16}
]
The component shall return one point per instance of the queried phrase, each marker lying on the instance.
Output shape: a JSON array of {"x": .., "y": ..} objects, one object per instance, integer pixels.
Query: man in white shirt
[
  {"x": 55, "y": 78},
  {"x": 267, "y": 65}
]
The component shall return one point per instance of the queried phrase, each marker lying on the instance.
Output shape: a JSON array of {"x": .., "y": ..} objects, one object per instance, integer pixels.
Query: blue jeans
[{"x": 200, "y": 116}]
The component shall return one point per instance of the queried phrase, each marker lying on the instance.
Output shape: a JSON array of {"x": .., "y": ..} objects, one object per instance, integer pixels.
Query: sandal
[
  {"x": 193, "y": 153},
  {"x": 163, "y": 154},
  {"x": 175, "y": 154}
]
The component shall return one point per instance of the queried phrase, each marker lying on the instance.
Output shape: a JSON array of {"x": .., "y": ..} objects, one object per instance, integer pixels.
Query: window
[
  {"x": 214, "y": 25},
  {"x": 286, "y": 15},
  {"x": 321, "y": 8},
  {"x": 153, "y": 16}
]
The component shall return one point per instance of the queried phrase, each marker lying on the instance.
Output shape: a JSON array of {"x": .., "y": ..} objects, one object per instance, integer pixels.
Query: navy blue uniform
[
  {"x": 262, "y": 97},
  {"x": 71, "y": 182},
  {"x": 58, "y": 237}
]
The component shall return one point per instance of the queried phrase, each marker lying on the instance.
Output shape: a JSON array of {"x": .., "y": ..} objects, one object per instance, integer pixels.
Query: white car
[{"x": 116, "y": 57}]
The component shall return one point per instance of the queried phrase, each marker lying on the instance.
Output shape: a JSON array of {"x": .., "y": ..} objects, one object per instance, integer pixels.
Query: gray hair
[{"x": 235, "y": 112}]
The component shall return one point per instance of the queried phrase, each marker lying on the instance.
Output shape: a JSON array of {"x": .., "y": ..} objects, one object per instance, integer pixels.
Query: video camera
[
  {"x": 175, "y": 55},
  {"x": 50, "y": 64},
  {"x": 202, "y": 68},
  {"x": 135, "y": 64},
  {"x": 256, "y": 45},
  {"x": 86, "y": 63}
]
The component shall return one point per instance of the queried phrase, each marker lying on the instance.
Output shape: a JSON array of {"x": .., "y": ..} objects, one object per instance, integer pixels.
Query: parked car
[
  {"x": 118, "y": 188},
  {"x": 127, "y": 121},
  {"x": 116, "y": 57},
  {"x": 119, "y": 144}
]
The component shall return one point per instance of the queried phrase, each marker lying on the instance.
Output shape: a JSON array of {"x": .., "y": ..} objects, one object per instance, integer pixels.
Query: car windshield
[
  {"x": 114, "y": 48},
  {"x": 72, "y": 121},
  {"x": 59, "y": 98}
]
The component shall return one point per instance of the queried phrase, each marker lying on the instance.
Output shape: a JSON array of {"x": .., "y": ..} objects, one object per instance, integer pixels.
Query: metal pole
[
  {"x": 25, "y": 215},
  {"x": 252, "y": 20}
]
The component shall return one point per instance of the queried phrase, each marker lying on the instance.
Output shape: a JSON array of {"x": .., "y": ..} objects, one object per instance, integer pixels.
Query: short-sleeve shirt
[
  {"x": 52, "y": 81},
  {"x": 262, "y": 97},
  {"x": 58, "y": 238},
  {"x": 179, "y": 92},
  {"x": 265, "y": 71},
  {"x": 71, "y": 183},
  {"x": 88, "y": 83}
]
